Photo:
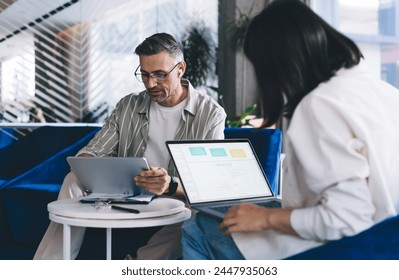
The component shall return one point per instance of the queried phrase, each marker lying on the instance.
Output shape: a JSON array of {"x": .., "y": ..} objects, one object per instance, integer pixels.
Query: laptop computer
[
  {"x": 108, "y": 177},
  {"x": 217, "y": 174}
]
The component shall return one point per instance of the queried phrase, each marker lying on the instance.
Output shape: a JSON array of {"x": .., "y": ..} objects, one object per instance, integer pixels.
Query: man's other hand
[{"x": 155, "y": 180}]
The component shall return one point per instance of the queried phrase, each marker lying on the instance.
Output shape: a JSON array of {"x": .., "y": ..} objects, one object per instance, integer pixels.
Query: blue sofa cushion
[
  {"x": 53, "y": 169},
  {"x": 267, "y": 145},
  {"x": 36, "y": 147},
  {"x": 27, "y": 211},
  {"x": 380, "y": 242}
]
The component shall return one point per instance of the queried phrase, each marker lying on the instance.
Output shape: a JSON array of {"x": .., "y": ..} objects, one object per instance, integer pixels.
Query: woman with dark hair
[{"x": 340, "y": 173}]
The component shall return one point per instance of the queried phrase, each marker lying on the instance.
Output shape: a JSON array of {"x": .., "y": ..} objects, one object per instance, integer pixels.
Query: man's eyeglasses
[{"x": 159, "y": 77}]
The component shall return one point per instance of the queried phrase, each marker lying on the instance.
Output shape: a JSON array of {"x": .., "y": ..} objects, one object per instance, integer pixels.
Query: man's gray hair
[{"x": 158, "y": 43}]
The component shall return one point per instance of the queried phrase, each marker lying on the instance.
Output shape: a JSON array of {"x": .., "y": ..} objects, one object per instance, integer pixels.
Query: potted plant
[{"x": 199, "y": 53}]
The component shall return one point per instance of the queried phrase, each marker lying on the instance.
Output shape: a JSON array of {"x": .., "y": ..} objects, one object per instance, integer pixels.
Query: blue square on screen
[
  {"x": 197, "y": 151},
  {"x": 218, "y": 152}
]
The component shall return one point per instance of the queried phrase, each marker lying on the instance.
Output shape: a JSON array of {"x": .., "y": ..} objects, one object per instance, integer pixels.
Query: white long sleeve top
[{"x": 341, "y": 172}]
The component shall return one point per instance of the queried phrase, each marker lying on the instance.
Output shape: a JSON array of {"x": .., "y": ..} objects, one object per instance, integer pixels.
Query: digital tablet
[{"x": 108, "y": 176}]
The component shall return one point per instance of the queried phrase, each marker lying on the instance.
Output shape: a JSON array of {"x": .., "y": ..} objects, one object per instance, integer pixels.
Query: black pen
[{"x": 130, "y": 210}]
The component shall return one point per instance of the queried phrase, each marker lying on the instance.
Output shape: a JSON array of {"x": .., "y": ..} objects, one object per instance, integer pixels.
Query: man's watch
[{"x": 172, "y": 186}]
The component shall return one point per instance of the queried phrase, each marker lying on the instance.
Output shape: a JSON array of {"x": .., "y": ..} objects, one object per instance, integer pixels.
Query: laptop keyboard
[{"x": 268, "y": 204}]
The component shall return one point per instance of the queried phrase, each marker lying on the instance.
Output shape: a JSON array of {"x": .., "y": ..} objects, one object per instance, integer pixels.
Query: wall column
[{"x": 237, "y": 81}]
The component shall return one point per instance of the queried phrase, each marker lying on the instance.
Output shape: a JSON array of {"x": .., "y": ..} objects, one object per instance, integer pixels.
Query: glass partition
[{"x": 71, "y": 61}]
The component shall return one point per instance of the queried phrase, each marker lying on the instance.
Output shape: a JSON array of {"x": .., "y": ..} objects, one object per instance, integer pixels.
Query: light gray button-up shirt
[{"x": 125, "y": 132}]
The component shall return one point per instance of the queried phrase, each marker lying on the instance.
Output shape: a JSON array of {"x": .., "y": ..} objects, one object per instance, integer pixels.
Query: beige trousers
[{"x": 163, "y": 245}]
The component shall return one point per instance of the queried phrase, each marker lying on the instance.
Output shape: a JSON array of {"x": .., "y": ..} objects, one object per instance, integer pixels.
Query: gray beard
[{"x": 167, "y": 97}]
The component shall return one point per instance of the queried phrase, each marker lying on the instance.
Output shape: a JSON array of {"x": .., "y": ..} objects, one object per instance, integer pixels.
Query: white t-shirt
[{"x": 163, "y": 123}]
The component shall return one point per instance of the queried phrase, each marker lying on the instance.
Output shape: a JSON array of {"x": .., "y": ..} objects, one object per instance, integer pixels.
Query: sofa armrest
[{"x": 380, "y": 242}]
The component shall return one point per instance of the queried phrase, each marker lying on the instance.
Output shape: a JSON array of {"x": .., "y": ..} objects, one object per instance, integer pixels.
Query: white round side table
[{"x": 70, "y": 212}]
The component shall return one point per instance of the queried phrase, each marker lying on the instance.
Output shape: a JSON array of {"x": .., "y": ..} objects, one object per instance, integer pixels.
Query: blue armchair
[{"x": 267, "y": 144}]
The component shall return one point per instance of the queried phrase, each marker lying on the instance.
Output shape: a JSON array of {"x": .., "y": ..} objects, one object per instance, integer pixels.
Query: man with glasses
[{"x": 169, "y": 109}]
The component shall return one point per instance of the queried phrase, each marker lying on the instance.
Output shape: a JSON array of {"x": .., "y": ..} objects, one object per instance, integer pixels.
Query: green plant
[
  {"x": 199, "y": 53},
  {"x": 243, "y": 120}
]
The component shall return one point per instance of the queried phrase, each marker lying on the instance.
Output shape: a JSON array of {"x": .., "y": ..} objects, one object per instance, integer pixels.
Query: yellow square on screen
[{"x": 237, "y": 153}]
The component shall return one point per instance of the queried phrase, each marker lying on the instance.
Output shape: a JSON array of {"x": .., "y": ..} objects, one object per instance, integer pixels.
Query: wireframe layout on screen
[{"x": 217, "y": 173}]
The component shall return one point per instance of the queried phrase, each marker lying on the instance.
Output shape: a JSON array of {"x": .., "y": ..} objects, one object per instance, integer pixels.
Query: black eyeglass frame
[{"x": 159, "y": 77}]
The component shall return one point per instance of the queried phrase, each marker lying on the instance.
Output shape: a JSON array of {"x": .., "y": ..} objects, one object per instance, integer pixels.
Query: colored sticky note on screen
[
  {"x": 237, "y": 153},
  {"x": 197, "y": 151},
  {"x": 218, "y": 152}
]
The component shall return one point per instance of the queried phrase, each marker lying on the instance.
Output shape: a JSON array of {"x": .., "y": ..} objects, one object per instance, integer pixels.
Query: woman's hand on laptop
[
  {"x": 155, "y": 180},
  {"x": 248, "y": 217}
]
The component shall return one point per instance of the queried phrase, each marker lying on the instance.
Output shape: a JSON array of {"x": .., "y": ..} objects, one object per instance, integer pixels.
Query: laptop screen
[{"x": 219, "y": 170}]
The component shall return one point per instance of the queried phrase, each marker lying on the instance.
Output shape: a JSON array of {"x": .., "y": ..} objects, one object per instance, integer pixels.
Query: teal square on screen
[
  {"x": 218, "y": 152},
  {"x": 197, "y": 151}
]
